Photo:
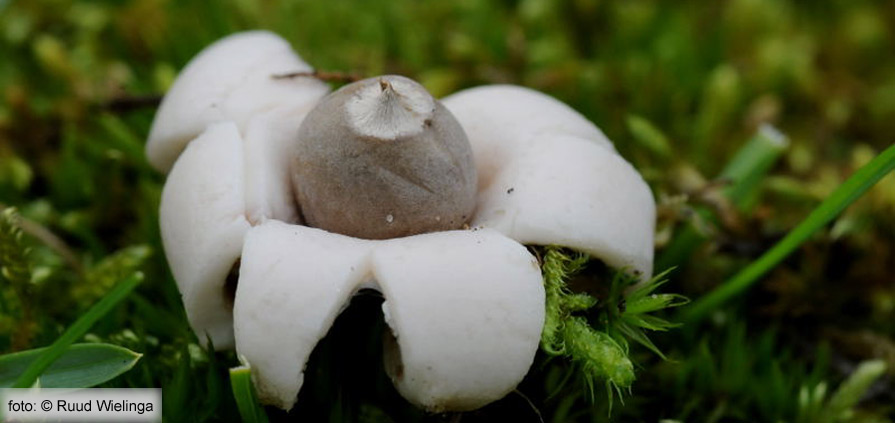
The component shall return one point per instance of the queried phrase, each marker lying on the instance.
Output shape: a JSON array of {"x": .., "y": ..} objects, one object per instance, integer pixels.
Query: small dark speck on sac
[{"x": 510, "y": 191}]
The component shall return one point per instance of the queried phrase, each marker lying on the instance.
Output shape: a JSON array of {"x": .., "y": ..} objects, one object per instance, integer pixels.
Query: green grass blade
[
  {"x": 80, "y": 366},
  {"x": 77, "y": 330},
  {"x": 123, "y": 138},
  {"x": 650, "y": 137},
  {"x": 748, "y": 168},
  {"x": 847, "y": 193},
  {"x": 249, "y": 408},
  {"x": 745, "y": 172},
  {"x": 853, "y": 389}
]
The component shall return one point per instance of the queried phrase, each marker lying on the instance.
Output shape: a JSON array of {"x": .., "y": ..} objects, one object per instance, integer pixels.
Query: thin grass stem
[
  {"x": 842, "y": 197},
  {"x": 249, "y": 408}
]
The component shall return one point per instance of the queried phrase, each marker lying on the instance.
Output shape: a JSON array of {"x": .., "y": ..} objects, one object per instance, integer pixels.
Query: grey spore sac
[{"x": 381, "y": 158}]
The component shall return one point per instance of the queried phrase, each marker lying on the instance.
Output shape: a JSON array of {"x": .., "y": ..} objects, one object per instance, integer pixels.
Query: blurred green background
[{"x": 678, "y": 86}]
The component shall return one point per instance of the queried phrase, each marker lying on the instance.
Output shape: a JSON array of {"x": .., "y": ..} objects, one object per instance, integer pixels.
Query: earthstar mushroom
[{"x": 466, "y": 307}]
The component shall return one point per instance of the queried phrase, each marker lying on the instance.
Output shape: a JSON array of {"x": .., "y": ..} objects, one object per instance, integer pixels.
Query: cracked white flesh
[
  {"x": 230, "y": 80},
  {"x": 220, "y": 186},
  {"x": 466, "y": 308},
  {"x": 548, "y": 176},
  {"x": 203, "y": 224},
  {"x": 269, "y": 144}
]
